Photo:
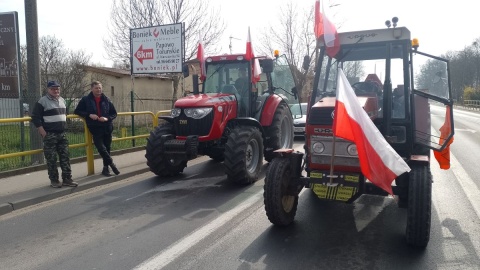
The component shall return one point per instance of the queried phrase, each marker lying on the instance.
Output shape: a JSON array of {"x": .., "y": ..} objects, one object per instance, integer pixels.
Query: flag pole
[{"x": 331, "y": 175}]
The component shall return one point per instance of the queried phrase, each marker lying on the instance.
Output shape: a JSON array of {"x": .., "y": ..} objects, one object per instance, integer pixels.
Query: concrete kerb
[
  {"x": 42, "y": 167},
  {"x": 5, "y": 208},
  {"x": 39, "y": 195}
]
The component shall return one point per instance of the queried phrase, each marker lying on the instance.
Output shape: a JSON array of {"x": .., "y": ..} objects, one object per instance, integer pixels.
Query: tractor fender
[
  {"x": 248, "y": 121},
  {"x": 268, "y": 110},
  {"x": 168, "y": 118}
]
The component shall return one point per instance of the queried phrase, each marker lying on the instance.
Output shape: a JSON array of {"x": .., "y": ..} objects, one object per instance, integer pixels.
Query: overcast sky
[{"x": 440, "y": 26}]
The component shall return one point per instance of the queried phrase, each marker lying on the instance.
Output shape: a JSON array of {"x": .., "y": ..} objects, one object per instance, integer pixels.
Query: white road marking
[
  {"x": 366, "y": 209},
  {"x": 174, "y": 251},
  {"x": 466, "y": 129},
  {"x": 467, "y": 184}
]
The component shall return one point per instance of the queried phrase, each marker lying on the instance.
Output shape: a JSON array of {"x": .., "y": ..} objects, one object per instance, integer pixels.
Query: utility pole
[
  {"x": 33, "y": 72},
  {"x": 230, "y": 45}
]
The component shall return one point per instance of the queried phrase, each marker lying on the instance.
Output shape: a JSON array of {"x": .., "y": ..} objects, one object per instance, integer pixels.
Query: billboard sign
[
  {"x": 9, "y": 48},
  {"x": 157, "y": 49}
]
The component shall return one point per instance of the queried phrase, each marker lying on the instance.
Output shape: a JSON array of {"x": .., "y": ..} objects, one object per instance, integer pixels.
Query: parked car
[{"x": 299, "y": 113}]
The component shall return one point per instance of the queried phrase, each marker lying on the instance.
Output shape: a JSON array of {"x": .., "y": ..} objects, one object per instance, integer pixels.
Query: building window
[{"x": 112, "y": 91}]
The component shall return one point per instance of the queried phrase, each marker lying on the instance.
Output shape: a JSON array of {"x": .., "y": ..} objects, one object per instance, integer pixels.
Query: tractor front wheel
[
  {"x": 280, "y": 197},
  {"x": 159, "y": 163},
  {"x": 419, "y": 210}
]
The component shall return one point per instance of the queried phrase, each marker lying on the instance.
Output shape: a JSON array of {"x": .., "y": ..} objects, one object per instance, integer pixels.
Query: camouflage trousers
[{"x": 53, "y": 144}]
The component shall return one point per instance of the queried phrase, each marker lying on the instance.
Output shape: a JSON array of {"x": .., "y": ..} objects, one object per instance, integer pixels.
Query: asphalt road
[{"x": 201, "y": 221}]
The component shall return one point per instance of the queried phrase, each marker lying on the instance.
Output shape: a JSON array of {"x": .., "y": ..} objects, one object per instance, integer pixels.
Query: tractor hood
[{"x": 205, "y": 100}]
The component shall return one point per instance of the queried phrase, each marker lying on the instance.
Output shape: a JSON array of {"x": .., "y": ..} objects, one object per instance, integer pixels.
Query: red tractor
[
  {"x": 400, "y": 105},
  {"x": 231, "y": 119}
]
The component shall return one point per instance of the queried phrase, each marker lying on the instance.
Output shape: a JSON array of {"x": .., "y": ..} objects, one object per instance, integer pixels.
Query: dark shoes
[
  {"x": 55, "y": 184},
  {"x": 69, "y": 183},
  {"x": 106, "y": 171},
  {"x": 114, "y": 169}
]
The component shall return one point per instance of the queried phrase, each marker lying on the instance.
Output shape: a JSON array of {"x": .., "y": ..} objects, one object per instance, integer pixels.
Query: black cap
[{"x": 53, "y": 84}]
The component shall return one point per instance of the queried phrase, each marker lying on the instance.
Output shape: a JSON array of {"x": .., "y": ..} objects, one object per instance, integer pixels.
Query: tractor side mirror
[
  {"x": 267, "y": 65},
  {"x": 306, "y": 62}
]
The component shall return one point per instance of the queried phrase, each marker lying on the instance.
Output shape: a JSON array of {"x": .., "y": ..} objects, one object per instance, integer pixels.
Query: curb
[
  {"x": 85, "y": 183},
  {"x": 5, "y": 208},
  {"x": 41, "y": 167}
]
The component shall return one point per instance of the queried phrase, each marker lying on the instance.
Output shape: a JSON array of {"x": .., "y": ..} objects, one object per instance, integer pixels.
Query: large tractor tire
[
  {"x": 279, "y": 197},
  {"x": 159, "y": 163},
  {"x": 419, "y": 210},
  {"x": 243, "y": 155},
  {"x": 280, "y": 133}
]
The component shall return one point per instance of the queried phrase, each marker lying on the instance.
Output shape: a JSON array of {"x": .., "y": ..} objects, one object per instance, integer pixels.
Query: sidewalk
[{"x": 31, "y": 188}]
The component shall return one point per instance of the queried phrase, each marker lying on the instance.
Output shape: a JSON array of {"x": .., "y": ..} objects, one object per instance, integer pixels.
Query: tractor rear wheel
[
  {"x": 280, "y": 133},
  {"x": 243, "y": 154},
  {"x": 280, "y": 198},
  {"x": 419, "y": 210},
  {"x": 159, "y": 163}
]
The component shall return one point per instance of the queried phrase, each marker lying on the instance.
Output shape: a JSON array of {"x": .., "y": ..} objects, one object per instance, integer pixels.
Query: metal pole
[
  {"x": 33, "y": 71},
  {"x": 132, "y": 105}
]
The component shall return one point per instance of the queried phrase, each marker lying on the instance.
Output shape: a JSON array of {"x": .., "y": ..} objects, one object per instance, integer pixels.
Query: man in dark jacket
[
  {"x": 50, "y": 119},
  {"x": 99, "y": 112}
]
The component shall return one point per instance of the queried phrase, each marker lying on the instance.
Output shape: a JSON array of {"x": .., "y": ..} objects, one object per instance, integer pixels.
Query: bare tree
[
  {"x": 199, "y": 20},
  {"x": 295, "y": 38}
]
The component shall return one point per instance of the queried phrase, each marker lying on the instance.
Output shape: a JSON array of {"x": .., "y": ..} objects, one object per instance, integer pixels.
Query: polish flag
[
  {"x": 249, "y": 55},
  {"x": 201, "y": 58},
  {"x": 249, "y": 52},
  {"x": 443, "y": 157},
  {"x": 378, "y": 160},
  {"x": 325, "y": 28}
]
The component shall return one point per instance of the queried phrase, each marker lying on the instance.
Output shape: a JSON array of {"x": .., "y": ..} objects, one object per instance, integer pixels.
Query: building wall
[{"x": 150, "y": 94}]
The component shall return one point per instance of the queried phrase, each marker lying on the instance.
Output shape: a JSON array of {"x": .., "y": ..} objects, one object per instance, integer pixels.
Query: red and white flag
[
  {"x": 325, "y": 28},
  {"x": 249, "y": 55},
  {"x": 249, "y": 51},
  {"x": 378, "y": 160},
  {"x": 201, "y": 58},
  {"x": 443, "y": 157}
]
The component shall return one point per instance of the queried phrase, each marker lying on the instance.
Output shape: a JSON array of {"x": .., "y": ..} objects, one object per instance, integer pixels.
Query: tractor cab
[
  {"x": 406, "y": 84},
  {"x": 232, "y": 74}
]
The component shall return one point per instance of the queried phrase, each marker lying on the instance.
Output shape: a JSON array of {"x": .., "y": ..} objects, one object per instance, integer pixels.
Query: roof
[{"x": 116, "y": 72}]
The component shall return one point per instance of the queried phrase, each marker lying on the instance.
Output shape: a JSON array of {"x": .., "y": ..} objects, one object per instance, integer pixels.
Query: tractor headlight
[
  {"x": 318, "y": 147},
  {"x": 352, "y": 150},
  {"x": 197, "y": 113},
  {"x": 175, "y": 112}
]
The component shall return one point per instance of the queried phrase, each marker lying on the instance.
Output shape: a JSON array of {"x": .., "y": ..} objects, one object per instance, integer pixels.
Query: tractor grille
[
  {"x": 321, "y": 116},
  {"x": 186, "y": 126}
]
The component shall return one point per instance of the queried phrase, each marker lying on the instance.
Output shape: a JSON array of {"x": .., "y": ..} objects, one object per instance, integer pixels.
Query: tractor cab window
[
  {"x": 367, "y": 70},
  {"x": 432, "y": 77},
  {"x": 283, "y": 81},
  {"x": 227, "y": 77}
]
